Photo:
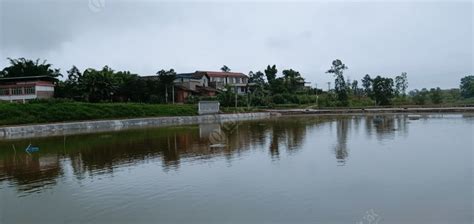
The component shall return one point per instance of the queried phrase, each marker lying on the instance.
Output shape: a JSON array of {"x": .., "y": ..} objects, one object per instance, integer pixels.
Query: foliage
[
  {"x": 467, "y": 86},
  {"x": 25, "y": 67},
  {"x": 382, "y": 89},
  {"x": 257, "y": 87},
  {"x": 106, "y": 85},
  {"x": 257, "y": 78},
  {"x": 99, "y": 85},
  {"x": 292, "y": 80},
  {"x": 267, "y": 89},
  {"x": 367, "y": 85},
  {"x": 228, "y": 98},
  {"x": 436, "y": 95},
  {"x": 270, "y": 73},
  {"x": 419, "y": 97},
  {"x": 340, "y": 87},
  {"x": 401, "y": 84},
  {"x": 225, "y": 68},
  {"x": 165, "y": 82},
  {"x": 401, "y": 101},
  {"x": 276, "y": 85},
  {"x": 69, "y": 88},
  {"x": 356, "y": 91},
  {"x": 60, "y": 110}
]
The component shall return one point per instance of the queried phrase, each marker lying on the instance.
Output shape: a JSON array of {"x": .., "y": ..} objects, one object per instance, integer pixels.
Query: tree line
[{"x": 267, "y": 88}]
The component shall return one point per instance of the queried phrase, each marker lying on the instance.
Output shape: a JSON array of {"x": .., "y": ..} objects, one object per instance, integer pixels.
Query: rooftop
[
  {"x": 26, "y": 78},
  {"x": 223, "y": 74}
]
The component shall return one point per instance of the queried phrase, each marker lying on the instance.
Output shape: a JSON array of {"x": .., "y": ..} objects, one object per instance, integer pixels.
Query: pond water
[{"x": 301, "y": 169}]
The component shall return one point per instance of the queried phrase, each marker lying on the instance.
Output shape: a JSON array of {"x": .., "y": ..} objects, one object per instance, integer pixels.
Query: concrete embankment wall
[
  {"x": 27, "y": 131},
  {"x": 374, "y": 110}
]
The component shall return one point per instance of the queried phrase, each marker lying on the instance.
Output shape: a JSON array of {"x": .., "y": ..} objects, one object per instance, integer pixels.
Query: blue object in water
[{"x": 31, "y": 148}]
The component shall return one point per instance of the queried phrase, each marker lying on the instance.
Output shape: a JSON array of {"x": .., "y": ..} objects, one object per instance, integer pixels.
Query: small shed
[{"x": 208, "y": 107}]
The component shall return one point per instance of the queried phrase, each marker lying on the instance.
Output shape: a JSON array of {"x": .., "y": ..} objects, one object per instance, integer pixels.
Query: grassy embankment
[
  {"x": 46, "y": 112},
  {"x": 60, "y": 111}
]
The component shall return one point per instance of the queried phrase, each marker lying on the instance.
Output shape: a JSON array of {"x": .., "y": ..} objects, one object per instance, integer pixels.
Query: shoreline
[
  {"x": 96, "y": 126},
  {"x": 69, "y": 128},
  {"x": 398, "y": 110}
]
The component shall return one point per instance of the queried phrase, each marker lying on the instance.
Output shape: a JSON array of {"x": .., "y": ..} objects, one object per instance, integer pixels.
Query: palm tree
[
  {"x": 25, "y": 67},
  {"x": 225, "y": 68}
]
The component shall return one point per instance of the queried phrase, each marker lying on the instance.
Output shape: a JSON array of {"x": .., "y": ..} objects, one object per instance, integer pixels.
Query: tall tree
[
  {"x": 292, "y": 80},
  {"x": 225, "y": 68},
  {"x": 74, "y": 74},
  {"x": 257, "y": 78},
  {"x": 467, "y": 86},
  {"x": 25, "y": 67},
  {"x": 367, "y": 84},
  {"x": 166, "y": 79},
  {"x": 355, "y": 88},
  {"x": 257, "y": 88},
  {"x": 382, "y": 90},
  {"x": 340, "y": 86},
  {"x": 70, "y": 87},
  {"x": 270, "y": 73},
  {"x": 401, "y": 84},
  {"x": 276, "y": 85},
  {"x": 98, "y": 85}
]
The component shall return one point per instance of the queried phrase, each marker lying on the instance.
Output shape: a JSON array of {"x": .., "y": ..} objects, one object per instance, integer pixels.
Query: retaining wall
[
  {"x": 39, "y": 130},
  {"x": 374, "y": 110}
]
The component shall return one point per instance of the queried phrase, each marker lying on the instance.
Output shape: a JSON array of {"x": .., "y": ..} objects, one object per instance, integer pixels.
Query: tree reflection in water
[
  {"x": 386, "y": 126},
  {"x": 98, "y": 154},
  {"x": 341, "y": 144}
]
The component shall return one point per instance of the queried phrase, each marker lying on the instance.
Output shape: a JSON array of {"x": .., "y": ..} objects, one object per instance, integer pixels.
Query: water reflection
[
  {"x": 30, "y": 172},
  {"x": 96, "y": 154},
  {"x": 386, "y": 126},
  {"x": 341, "y": 144}
]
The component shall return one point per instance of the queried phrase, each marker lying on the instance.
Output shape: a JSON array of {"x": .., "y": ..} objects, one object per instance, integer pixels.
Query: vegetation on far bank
[
  {"x": 60, "y": 110},
  {"x": 105, "y": 93}
]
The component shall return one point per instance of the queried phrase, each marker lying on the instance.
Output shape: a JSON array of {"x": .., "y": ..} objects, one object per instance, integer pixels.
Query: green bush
[
  {"x": 278, "y": 99},
  {"x": 361, "y": 102}
]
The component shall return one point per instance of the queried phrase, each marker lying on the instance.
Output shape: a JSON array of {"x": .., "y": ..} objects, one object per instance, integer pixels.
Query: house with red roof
[
  {"x": 208, "y": 83},
  {"x": 235, "y": 80}
]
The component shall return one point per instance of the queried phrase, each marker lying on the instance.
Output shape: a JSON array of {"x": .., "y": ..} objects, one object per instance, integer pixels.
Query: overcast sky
[{"x": 431, "y": 41}]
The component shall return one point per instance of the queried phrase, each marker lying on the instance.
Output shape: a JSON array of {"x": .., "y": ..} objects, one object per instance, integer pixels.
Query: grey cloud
[{"x": 432, "y": 41}]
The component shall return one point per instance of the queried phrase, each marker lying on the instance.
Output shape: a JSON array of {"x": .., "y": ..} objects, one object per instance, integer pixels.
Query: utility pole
[
  {"x": 329, "y": 86},
  {"x": 172, "y": 90},
  {"x": 166, "y": 93},
  {"x": 236, "y": 97},
  {"x": 317, "y": 97}
]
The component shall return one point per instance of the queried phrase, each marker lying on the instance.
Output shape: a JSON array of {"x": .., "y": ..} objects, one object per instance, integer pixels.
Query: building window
[
  {"x": 30, "y": 90},
  {"x": 242, "y": 89},
  {"x": 17, "y": 91},
  {"x": 4, "y": 92}
]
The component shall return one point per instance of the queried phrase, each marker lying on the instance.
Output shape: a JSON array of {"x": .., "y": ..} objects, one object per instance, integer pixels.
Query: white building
[{"x": 21, "y": 89}]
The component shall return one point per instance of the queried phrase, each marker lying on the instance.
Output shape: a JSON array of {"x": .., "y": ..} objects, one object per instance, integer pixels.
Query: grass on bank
[{"x": 53, "y": 111}]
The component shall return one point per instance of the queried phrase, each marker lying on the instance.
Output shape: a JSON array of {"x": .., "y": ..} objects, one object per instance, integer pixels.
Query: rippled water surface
[{"x": 340, "y": 169}]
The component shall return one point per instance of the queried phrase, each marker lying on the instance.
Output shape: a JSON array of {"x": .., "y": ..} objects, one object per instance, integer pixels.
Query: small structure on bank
[
  {"x": 22, "y": 89},
  {"x": 208, "y": 107}
]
